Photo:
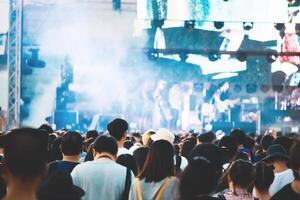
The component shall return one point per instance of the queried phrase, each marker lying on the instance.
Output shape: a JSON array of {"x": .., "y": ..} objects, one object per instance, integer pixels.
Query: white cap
[{"x": 163, "y": 134}]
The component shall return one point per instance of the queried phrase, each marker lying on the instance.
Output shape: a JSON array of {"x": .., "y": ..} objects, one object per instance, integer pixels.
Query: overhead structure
[{"x": 14, "y": 62}]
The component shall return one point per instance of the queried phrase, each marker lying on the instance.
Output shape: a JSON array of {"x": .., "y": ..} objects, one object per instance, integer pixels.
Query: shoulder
[{"x": 283, "y": 193}]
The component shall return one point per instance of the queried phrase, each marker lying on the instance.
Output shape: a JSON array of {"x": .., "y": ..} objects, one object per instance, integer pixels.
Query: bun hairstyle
[{"x": 264, "y": 176}]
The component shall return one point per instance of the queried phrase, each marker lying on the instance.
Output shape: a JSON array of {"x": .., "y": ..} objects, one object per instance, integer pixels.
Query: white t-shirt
[
  {"x": 100, "y": 179},
  {"x": 280, "y": 180},
  {"x": 149, "y": 190},
  {"x": 122, "y": 151}
]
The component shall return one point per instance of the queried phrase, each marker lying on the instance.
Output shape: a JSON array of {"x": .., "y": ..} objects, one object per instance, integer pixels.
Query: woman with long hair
[{"x": 156, "y": 180}]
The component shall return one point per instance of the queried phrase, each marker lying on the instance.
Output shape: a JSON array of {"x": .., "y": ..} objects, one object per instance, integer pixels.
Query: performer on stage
[{"x": 222, "y": 103}]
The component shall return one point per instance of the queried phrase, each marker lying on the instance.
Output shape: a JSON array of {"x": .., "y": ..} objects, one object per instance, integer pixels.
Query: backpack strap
[
  {"x": 162, "y": 189},
  {"x": 125, "y": 194}
]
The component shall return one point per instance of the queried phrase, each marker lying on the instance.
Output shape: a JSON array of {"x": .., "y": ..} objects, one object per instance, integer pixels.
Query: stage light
[
  {"x": 189, "y": 24},
  {"x": 218, "y": 25},
  {"x": 279, "y": 26},
  {"x": 213, "y": 56},
  {"x": 237, "y": 88},
  {"x": 247, "y": 26},
  {"x": 251, "y": 88},
  {"x": 157, "y": 23},
  {"x": 34, "y": 61},
  {"x": 272, "y": 57},
  {"x": 241, "y": 56}
]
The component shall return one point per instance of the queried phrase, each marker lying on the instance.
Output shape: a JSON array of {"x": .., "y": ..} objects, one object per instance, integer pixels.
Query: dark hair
[
  {"x": 267, "y": 141},
  {"x": 127, "y": 144},
  {"x": 71, "y": 144},
  {"x": 140, "y": 156},
  {"x": 45, "y": 127},
  {"x": 128, "y": 161},
  {"x": 229, "y": 147},
  {"x": 242, "y": 173},
  {"x": 295, "y": 159},
  {"x": 208, "y": 137},
  {"x": 212, "y": 153},
  {"x": 284, "y": 141},
  {"x": 187, "y": 147},
  {"x": 198, "y": 178},
  {"x": 54, "y": 150},
  {"x": 264, "y": 176},
  {"x": 238, "y": 135},
  {"x": 91, "y": 134},
  {"x": 25, "y": 152},
  {"x": 159, "y": 163},
  {"x": 106, "y": 144},
  {"x": 249, "y": 142},
  {"x": 117, "y": 128}
]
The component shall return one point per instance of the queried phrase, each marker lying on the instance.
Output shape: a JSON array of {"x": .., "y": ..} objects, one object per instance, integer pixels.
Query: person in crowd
[
  {"x": 266, "y": 141},
  {"x": 118, "y": 129},
  {"x": 137, "y": 143},
  {"x": 208, "y": 137},
  {"x": 241, "y": 176},
  {"x": 163, "y": 134},
  {"x": 180, "y": 162},
  {"x": 59, "y": 186},
  {"x": 249, "y": 148},
  {"x": 278, "y": 157},
  {"x": 55, "y": 151},
  {"x": 71, "y": 148},
  {"x": 91, "y": 134},
  {"x": 239, "y": 136},
  {"x": 128, "y": 161},
  {"x": 128, "y": 144},
  {"x": 199, "y": 180},
  {"x": 284, "y": 141},
  {"x": 140, "y": 156},
  {"x": 146, "y": 138},
  {"x": 291, "y": 191},
  {"x": 187, "y": 146},
  {"x": 263, "y": 180},
  {"x": 157, "y": 181},
  {"x": 102, "y": 178},
  {"x": 25, "y": 158},
  {"x": 229, "y": 147}
]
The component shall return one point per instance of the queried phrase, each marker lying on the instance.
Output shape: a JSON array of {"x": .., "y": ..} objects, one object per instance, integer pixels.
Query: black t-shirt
[
  {"x": 286, "y": 193},
  {"x": 62, "y": 166}
]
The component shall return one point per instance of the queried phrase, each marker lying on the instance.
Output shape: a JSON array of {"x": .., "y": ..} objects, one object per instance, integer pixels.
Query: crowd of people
[{"x": 43, "y": 164}]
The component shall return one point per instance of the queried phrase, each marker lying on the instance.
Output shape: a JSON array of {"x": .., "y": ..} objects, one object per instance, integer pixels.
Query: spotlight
[
  {"x": 152, "y": 56},
  {"x": 218, "y": 25},
  {"x": 189, "y": 24},
  {"x": 272, "y": 57},
  {"x": 157, "y": 23},
  {"x": 213, "y": 56},
  {"x": 241, "y": 56},
  {"x": 247, "y": 26},
  {"x": 279, "y": 26},
  {"x": 251, "y": 88}
]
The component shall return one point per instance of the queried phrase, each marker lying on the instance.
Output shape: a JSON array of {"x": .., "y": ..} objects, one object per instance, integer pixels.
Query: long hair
[{"x": 159, "y": 163}]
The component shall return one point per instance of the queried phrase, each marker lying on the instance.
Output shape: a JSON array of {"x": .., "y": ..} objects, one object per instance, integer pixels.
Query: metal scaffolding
[{"x": 14, "y": 62}]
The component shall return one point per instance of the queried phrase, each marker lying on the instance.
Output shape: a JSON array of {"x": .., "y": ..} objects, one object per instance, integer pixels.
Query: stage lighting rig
[
  {"x": 247, "y": 26},
  {"x": 218, "y": 25},
  {"x": 189, "y": 24}
]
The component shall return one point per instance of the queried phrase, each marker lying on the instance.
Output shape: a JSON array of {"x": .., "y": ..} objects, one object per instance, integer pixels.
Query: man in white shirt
[
  {"x": 118, "y": 129},
  {"x": 277, "y": 156},
  {"x": 102, "y": 178}
]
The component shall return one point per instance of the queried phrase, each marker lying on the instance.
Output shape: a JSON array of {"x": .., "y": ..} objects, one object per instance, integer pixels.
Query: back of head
[
  {"x": 238, "y": 135},
  {"x": 212, "y": 153},
  {"x": 199, "y": 178},
  {"x": 249, "y": 143},
  {"x": 285, "y": 142},
  {"x": 267, "y": 141},
  {"x": 146, "y": 137},
  {"x": 91, "y": 134},
  {"x": 264, "y": 177},
  {"x": 128, "y": 161},
  {"x": 295, "y": 159},
  {"x": 71, "y": 144},
  {"x": 208, "y": 137},
  {"x": 106, "y": 144},
  {"x": 45, "y": 127},
  {"x": 242, "y": 174},
  {"x": 159, "y": 163},
  {"x": 187, "y": 147},
  {"x": 229, "y": 147},
  {"x": 117, "y": 128},
  {"x": 140, "y": 156},
  {"x": 25, "y": 153}
]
